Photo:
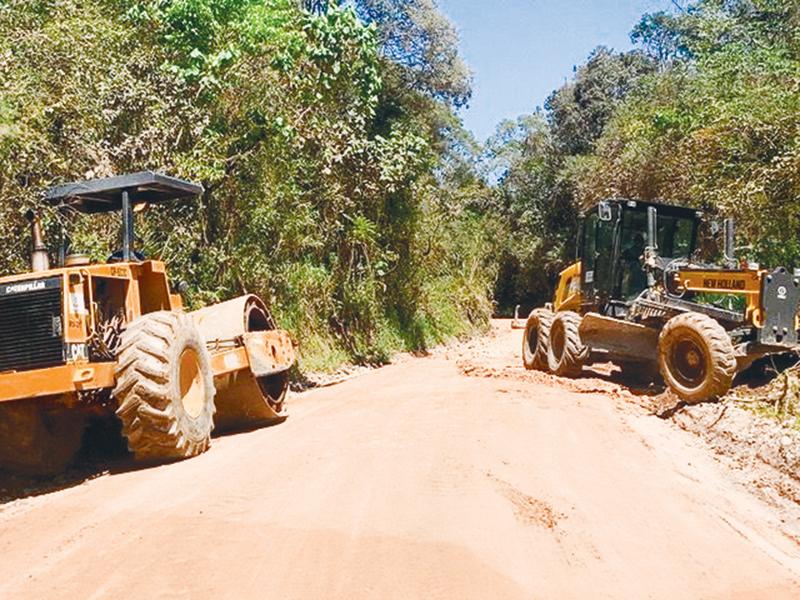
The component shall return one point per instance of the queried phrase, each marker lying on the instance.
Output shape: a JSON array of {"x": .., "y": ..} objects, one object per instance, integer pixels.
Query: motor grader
[
  {"x": 640, "y": 296},
  {"x": 89, "y": 339}
]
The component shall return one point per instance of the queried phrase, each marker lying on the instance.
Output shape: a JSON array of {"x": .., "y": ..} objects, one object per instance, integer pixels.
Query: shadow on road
[
  {"x": 103, "y": 452},
  {"x": 759, "y": 374},
  {"x": 635, "y": 384}
]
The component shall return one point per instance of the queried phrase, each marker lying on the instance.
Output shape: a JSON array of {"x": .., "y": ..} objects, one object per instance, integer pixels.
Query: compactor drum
[
  {"x": 640, "y": 296},
  {"x": 86, "y": 340}
]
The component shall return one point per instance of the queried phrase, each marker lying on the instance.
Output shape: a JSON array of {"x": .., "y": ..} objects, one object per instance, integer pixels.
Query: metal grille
[{"x": 30, "y": 325}]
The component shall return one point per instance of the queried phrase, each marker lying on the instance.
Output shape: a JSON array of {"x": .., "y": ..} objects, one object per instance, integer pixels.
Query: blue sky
[{"x": 520, "y": 50}]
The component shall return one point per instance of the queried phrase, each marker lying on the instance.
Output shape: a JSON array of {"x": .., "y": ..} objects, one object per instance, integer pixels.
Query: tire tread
[
  {"x": 144, "y": 398},
  {"x": 720, "y": 347},
  {"x": 570, "y": 364}
]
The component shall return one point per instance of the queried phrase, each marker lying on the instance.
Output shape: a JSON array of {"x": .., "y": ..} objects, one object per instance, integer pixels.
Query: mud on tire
[
  {"x": 535, "y": 339},
  {"x": 165, "y": 387},
  {"x": 566, "y": 353},
  {"x": 696, "y": 357}
]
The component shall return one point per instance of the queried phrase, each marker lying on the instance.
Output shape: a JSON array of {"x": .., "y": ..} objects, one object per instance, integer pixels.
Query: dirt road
[{"x": 417, "y": 481}]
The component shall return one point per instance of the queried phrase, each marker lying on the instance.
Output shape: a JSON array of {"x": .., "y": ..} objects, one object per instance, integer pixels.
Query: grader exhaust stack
[{"x": 730, "y": 249}]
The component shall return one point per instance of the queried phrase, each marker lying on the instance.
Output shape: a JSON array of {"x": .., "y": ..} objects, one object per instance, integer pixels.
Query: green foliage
[
  {"x": 534, "y": 203},
  {"x": 418, "y": 38},
  {"x": 319, "y": 166},
  {"x": 579, "y": 111},
  {"x": 419, "y": 41},
  {"x": 663, "y": 36},
  {"x": 708, "y": 120},
  {"x": 719, "y": 132},
  {"x": 536, "y": 161}
]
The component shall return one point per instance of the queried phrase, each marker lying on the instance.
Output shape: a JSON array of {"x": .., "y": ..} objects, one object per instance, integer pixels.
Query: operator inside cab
[{"x": 634, "y": 278}]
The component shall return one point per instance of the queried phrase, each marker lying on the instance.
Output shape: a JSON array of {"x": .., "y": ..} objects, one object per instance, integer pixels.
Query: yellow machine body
[
  {"x": 93, "y": 291},
  {"x": 568, "y": 291},
  {"x": 747, "y": 283},
  {"x": 744, "y": 282},
  {"x": 77, "y": 343}
]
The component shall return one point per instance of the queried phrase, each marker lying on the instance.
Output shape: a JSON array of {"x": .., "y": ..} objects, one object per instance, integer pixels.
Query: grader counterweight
[
  {"x": 88, "y": 339},
  {"x": 639, "y": 296}
]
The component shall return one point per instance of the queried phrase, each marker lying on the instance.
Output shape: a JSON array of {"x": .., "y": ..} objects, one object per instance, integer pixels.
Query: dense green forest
[
  {"x": 337, "y": 177},
  {"x": 703, "y": 112},
  {"x": 340, "y": 183}
]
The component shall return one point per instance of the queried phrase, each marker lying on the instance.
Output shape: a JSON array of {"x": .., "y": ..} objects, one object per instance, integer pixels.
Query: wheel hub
[
  {"x": 693, "y": 359},
  {"x": 193, "y": 395},
  {"x": 688, "y": 363}
]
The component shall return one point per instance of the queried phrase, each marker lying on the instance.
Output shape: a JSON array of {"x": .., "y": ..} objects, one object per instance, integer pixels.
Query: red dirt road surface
[{"x": 450, "y": 476}]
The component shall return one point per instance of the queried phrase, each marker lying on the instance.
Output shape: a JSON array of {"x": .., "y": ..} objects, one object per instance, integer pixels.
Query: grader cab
[
  {"x": 89, "y": 339},
  {"x": 639, "y": 296}
]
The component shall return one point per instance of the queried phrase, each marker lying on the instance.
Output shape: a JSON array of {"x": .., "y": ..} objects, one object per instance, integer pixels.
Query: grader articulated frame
[
  {"x": 91, "y": 339},
  {"x": 638, "y": 296}
]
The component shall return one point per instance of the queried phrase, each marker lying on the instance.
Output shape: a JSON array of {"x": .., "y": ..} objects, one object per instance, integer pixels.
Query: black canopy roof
[{"x": 104, "y": 195}]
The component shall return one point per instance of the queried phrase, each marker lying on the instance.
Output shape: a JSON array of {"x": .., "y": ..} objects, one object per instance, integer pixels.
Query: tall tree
[
  {"x": 579, "y": 110},
  {"x": 314, "y": 199},
  {"x": 664, "y": 36},
  {"x": 419, "y": 39}
]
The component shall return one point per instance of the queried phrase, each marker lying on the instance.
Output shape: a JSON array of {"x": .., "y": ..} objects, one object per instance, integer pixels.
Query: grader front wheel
[
  {"x": 165, "y": 387},
  {"x": 566, "y": 352},
  {"x": 696, "y": 357}
]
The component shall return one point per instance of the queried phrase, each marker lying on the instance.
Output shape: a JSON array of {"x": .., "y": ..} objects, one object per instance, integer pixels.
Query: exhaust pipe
[
  {"x": 651, "y": 251},
  {"x": 730, "y": 250},
  {"x": 39, "y": 259},
  {"x": 652, "y": 228}
]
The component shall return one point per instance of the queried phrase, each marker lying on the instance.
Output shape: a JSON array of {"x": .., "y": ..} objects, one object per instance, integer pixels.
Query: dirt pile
[{"x": 749, "y": 441}]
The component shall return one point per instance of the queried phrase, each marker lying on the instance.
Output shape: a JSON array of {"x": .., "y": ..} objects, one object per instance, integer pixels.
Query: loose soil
[{"x": 457, "y": 475}]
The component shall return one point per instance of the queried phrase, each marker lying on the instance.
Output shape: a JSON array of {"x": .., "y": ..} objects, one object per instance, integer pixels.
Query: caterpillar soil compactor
[
  {"x": 85, "y": 340},
  {"x": 639, "y": 296}
]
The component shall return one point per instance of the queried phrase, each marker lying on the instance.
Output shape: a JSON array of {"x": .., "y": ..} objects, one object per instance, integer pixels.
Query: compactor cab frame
[
  {"x": 111, "y": 339},
  {"x": 639, "y": 295}
]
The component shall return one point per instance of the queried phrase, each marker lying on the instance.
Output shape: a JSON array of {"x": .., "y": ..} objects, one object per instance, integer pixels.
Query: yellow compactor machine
[
  {"x": 639, "y": 296},
  {"x": 87, "y": 338}
]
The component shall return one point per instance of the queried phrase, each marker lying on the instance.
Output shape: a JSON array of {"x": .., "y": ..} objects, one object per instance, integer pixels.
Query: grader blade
[{"x": 619, "y": 340}]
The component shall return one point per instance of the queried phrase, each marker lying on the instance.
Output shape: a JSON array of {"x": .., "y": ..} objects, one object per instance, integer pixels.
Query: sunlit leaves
[
  {"x": 319, "y": 181},
  {"x": 719, "y": 131}
]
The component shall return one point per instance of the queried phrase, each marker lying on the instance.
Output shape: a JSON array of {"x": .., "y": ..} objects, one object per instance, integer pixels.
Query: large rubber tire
[
  {"x": 535, "y": 339},
  {"x": 696, "y": 357},
  {"x": 566, "y": 353},
  {"x": 165, "y": 387}
]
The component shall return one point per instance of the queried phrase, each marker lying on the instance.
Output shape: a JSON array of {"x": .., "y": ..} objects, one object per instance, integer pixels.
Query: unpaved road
[{"x": 417, "y": 481}]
